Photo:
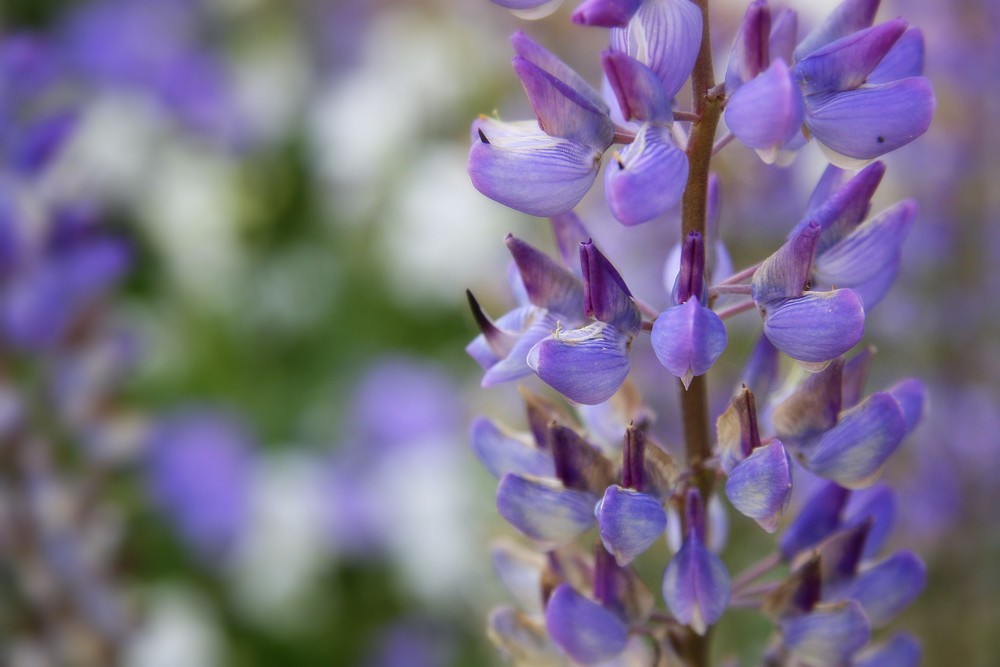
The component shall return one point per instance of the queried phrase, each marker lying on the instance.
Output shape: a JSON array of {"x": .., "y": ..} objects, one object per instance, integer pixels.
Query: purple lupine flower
[
  {"x": 834, "y": 82},
  {"x": 828, "y": 635},
  {"x": 901, "y": 650},
  {"x": 587, "y": 631}
]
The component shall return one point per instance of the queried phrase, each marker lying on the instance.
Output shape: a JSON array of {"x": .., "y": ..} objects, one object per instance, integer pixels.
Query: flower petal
[
  {"x": 696, "y": 585},
  {"x": 819, "y": 517},
  {"x": 900, "y": 651},
  {"x": 522, "y": 638},
  {"x": 785, "y": 273},
  {"x": 514, "y": 365},
  {"x": 816, "y": 326},
  {"x": 749, "y": 55},
  {"x": 845, "y": 63},
  {"x": 520, "y": 572},
  {"x": 630, "y": 522},
  {"x": 905, "y": 58},
  {"x": 869, "y": 249},
  {"x": 638, "y": 90},
  {"x": 872, "y": 120},
  {"x": 848, "y": 17},
  {"x": 569, "y": 233},
  {"x": 585, "y": 365},
  {"x": 664, "y": 35},
  {"x": 784, "y": 32},
  {"x": 687, "y": 339},
  {"x": 911, "y": 394},
  {"x": 876, "y": 504},
  {"x": 547, "y": 284},
  {"x": 813, "y": 407},
  {"x": 520, "y": 166},
  {"x": 588, "y": 632},
  {"x": 827, "y": 636},
  {"x": 886, "y": 589},
  {"x": 605, "y": 13},
  {"x": 647, "y": 178},
  {"x": 606, "y": 297},
  {"x": 766, "y": 112},
  {"x": 534, "y": 52},
  {"x": 760, "y": 486},
  {"x": 501, "y": 453},
  {"x": 543, "y": 510}
]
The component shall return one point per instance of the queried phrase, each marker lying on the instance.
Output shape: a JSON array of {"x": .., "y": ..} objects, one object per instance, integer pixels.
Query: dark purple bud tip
[
  {"x": 605, "y": 13},
  {"x": 690, "y": 280},
  {"x": 606, "y": 297},
  {"x": 634, "y": 458}
]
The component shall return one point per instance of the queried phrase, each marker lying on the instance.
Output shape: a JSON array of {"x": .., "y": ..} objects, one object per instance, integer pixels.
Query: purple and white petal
[
  {"x": 760, "y": 486},
  {"x": 887, "y": 588},
  {"x": 630, "y": 522},
  {"x": 520, "y": 571},
  {"x": 666, "y": 36},
  {"x": 817, "y": 326},
  {"x": 522, "y": 638},
  {"x": 905, "y": 59},
  {"x": 829, "y": 635},
  {"x": 585, "y": 630},
  {"x": 849, "y": 16},
  {"x": 647, "y": 178},
  {"x": 605, "y": 13},
  {"x": 544, "y": 510},
  {"x": 696, "y": 585},
  {"x": 518, "y": 165},
  {"x": 846, "y": 63},
  {"x": 871, "y": 120},
  {"x": 688, "y": 339},
  {"x": 767, "y": 112},
  {"x": 501, "y": 453},
  {"x": 535, "y": 53},
  {"x": 585, "y": 365}
]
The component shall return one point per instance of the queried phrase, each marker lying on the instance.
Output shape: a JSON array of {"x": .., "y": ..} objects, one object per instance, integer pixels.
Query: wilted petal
[
  {"x": 687, "y": 339},
  {"x": 639, "y": 92},
  {"x": 872, "y": 120},
  {"x": 605, "y": 13},
  {"x": 749, "y": 55},
  {"x": 846, "y": 63},
  {"x": 547, "y": 284},
  {"x": 588, "y": 632},
  {"x": 900, "y": 651},
  {"x": 813, "y": 407},
  {"x": 850, "y": 16},
  {"x": 696, "y": 585},
  {"x": 828, "y": 636},
  {"x": 785, "y": 273},
  {"x": 522, "y": 639},
  {"x": 666, "y": 36},
  {"x": 911, "y": 394},
  {"x": 543, "y": 510},
  {"x": 647, "y": 178},
  {"x": 766, "y": 112},
  {"x": 535, "y": 53},
  {"x": 853, "y": 452},
  {"x": 520, "y": 572},
  {"x": 606, "y": 297},
  {"x": 819, "y": 517},
  {"x": 630, "y": 522},
  {"x": 561, "y": 110},
  {"x": 817, "y": 326},
  {"x": 520, "y": 166},
  {"x": 905, "y": 58},
  {"x": 501, "y": 453},
  {"x": 865, "y": 252},
  {"x": 585, "y": 365},
  {"x": 886, "y": 589},
  {"x": 760, "y": 486}
]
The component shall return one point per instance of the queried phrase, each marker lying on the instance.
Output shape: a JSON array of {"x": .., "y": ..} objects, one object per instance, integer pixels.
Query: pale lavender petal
[
  {"x": 766, "y": 112},
  {"x": 520, "y": 166},
  {"x": 543, "y": 510},
  {"x": 606, "y": 297},
  {"x": 514, "y": 365},
  {"x": 696, "y": 585},
  {"x": 905, "y": 59},
  {"x": 749, "y": 55},
  {"x": 872, "y": 120},
  {"x": 501, "y": 453},
  {"x": 687, "y": 339},
  {"x": 639, "y": 92},
  {"x": 588, "y": 632},
  {"x": 872, "y": 291},
  {"x": 630, "y": 522},
  {"x": 762, "y": 367},
  {"x": 887, "y": 588},
  {"x": 846, "y": 63},
  {"x": 666, "y": 36},
  {"x": 785, "y": 273},
  {"x": 760, "y": 486},
  {"x": 865, "y": 252},
  {"x": 817, "y": 326},
  {"x": 534, "y": 52},
  {"x": 522, "y": 638},
  {"x": 647, "y": 178},
  {"x": 605, "y": 13},
  {"x": 569, "y": 233},
  {"x": 850, "y": 16},
  {"x": 900, "y": 651},
  {"x": 911, "y": 394},
  {"x": 585, "y": 365},
  {"x": 520, "y": 572},
  {"x": 829, "y": 635},
  {"x": 561, "y": 110},
  {"x": 497, "y": 338},
  {"x": 855, "y": 376},
  {"x": 819, "y": 517},
  {"x": 784, "y": 32},
  {"x": 853, "y": 452},
  {"x": 547, "y": 284}
]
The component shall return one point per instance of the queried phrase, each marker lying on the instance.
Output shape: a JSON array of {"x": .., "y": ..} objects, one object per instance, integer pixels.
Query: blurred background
[{"x": 234, "y": 397}]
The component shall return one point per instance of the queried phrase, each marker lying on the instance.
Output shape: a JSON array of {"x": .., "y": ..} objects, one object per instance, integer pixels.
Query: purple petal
[
  {"x": 39, "y": 143},
  {"x": 578, "y": 464},
  {"x": 829, "y": 635},
  {"x": 876, "y": 504},
  {"x": 873, "y": 290},
  {"x": 630, "y": 522},
  {"x": 606, "y": 297},
  {"x": 520, "y": 166},
  {"x": 737, "y": 431},
  {"x": 588, "y": 632},
  {"x": 855, "y": 376},
  {"x": 570, "y": 233},
  {"x": 814, "y": 406},
  {"x": 911, "y": 394},
  {"x": 497, "y": 338},
  {"x": 666, "y": 36},
  {"x": 760, "y": 486},
  {"x": 872, "y": 120},
  {"x": 638, "y": 90},
  {"x": 784, "y": 32},
  {"x": 900, "y": 651},
  {"x": 750, "y": 53},
  {"x": 514, "y": 365},
  {"x": 521, "y": 637},
  {"x": 889, "y": 587},
  {"x": 585, "y": 365},
  {"x": 501, "y": 453},
  {"x": 762, "y": 367},
  {"x": 696, "y": 585},
  {"x": 842, "y": 210},
  {"x": 817, "y": 326},
  {"x": 850, "y": 16},
  {"x": 871, "y": 247},
  {"x": 840, "y": 554},
  {"x": 767, "y": 112},
  {"x": 520, "y": 572},
  {"x": 691, "y": 273},
  {"x": 548, "y": 285},
  {"x": 853, "y": 452},
  {"x": 818, "y": 518},
  {"x": 561, "y": 110},
  {"x": 535, "y": 53},
  {"x": 785, "y": 273},
  {"x": 605, "y": 13},
  {"x": 687, "y": 339},
  {"x": 647, "y": 178},
  {"x": 543, "y": 510},
  {"x": 905, "y": 59},
  {"x": 846, "y": 63}
]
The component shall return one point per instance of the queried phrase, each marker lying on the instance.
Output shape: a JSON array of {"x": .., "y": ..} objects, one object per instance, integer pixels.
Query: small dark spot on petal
[
  {"x": 881, "y": 140},
  {"x": 482, "y": 137}
]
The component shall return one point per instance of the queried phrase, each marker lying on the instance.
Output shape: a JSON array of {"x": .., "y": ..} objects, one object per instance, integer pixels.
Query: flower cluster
[{"x": 790, "y": 426}]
